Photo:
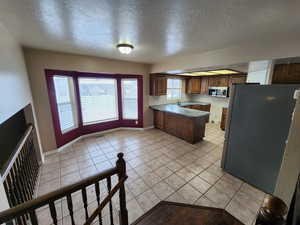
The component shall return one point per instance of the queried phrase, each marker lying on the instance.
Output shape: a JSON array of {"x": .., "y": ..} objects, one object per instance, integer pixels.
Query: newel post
[{"x": 123, "y": 214}]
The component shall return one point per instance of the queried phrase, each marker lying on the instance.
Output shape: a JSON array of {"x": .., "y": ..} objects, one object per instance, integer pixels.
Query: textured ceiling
[{"x": 157, "y": 28}]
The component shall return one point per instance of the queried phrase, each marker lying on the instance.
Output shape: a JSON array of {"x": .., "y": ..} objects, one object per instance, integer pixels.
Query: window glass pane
[
  {"x": 174, "y": 88},
  {"x": 174, "y": 83},
  {"x": 64, "y": 93},
  {"x": 170, "y": 83},
  {"x": 130, "y": 98},
  {"x": 98, "y": 97}
]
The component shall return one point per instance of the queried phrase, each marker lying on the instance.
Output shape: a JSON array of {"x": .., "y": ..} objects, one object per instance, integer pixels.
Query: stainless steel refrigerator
[{"x": 259, "y": 118}]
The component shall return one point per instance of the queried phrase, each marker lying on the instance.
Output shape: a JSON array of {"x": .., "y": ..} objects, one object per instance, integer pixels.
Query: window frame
[
  {"x": 180, "y": 89},
  {"x": 83, "y": 129},
  {"x": 124, "y": 79},
  {"x": 72, "y": 102},
  {"x": 116, "y": 98}
]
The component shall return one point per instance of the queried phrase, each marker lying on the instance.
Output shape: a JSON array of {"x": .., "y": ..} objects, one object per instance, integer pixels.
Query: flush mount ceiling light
[
  {"x": 211, "y": 72},
  {"x": 125, "y": 48}
]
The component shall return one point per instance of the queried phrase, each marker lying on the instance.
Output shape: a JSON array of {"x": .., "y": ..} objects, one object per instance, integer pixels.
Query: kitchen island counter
[
  {"x": 179, "y": 109},
  {"x": 185, "y": 123}
]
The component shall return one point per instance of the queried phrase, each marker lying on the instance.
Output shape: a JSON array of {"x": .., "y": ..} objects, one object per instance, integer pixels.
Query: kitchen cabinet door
[
  {"x": 237, "y": 79},
  {"x": 286, "y": 73},
  {"x": 171, "y": 123},
  {"x": 193, "y": 86},
  {"x": 212, "y": 82},
  {"x": 223, "y": 118},
  {"x": 159, "y": 119},
  {"x": 162, "y": 85},
  {"x": 294, "y": 73},
  {"x": 158, "y": 85},
  {"x": 204, "y": 86},
  {"x": 223, "y": 81},
  {"x": 196, "y": 86}
]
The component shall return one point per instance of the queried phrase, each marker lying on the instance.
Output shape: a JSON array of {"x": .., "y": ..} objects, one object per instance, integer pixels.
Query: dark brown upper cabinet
[
  {"x": 286, "y": 73},
  {"x": 158, "y": 85},
  {"x": 193, "y": 86},
  {"x": 237, "y": 79},
  {"x": 204, "y": 86},
  {"x": 218, "y": 81}
]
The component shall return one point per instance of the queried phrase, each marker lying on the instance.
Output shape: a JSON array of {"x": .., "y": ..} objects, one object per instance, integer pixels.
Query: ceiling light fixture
[
  {"x": 125, "y": 48},
  {"x": 211, "y": 72}
]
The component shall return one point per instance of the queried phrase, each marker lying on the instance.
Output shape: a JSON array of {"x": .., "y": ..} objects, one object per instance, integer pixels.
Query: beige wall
[
  {"x": 290, "y": 167},
  {"x": 232, "y": 55},
  {"x": 39, "y": 60},
  {"x": 216, "y": 106}
]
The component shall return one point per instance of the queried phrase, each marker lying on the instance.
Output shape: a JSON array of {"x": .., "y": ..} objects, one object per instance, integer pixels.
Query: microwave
[{"x": 222, "y": 92}]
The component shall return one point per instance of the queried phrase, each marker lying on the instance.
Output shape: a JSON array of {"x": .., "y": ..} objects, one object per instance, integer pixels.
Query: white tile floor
[{"x": 159, "y": 166}]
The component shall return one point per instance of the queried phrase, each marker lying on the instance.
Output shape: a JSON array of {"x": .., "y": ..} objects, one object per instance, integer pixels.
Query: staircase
[{"x": 26, "y": 213}]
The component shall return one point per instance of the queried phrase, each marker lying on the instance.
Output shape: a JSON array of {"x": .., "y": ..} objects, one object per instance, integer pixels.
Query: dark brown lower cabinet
[
  {"x": 205, "y": 108},
  {"x": 191, "y": 129},
  {"x": 223, "y": 118},
  {"x": 159, "y": 119}
]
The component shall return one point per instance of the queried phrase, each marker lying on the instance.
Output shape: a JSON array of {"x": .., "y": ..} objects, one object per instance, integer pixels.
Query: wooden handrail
[
  {"x": 105, "y": 201},
  {"x": 28, "y": 206}
]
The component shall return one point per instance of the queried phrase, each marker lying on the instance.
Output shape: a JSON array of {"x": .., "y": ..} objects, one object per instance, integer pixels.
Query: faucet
[{"x": 178, "y": 102}]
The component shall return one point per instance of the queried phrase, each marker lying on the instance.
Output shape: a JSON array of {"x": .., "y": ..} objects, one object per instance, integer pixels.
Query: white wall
[
  {"x": 260, "y": 72},
  {"x": 14, "y": 85},
  {"x": 290, "y": 167},
  {"x": 216, "y": 105}
]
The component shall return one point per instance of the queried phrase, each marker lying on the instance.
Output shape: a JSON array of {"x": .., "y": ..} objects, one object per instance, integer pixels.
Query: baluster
[
  {"x": 97, "y": 189},
  {"x": 33, "y": 218},
  {"x": 24, "y": 177},
  {"x": 31, "y": 165},
  {"x": 84, "y": 198},
  {"x": 33, "y": 151},
  {"x": 7, "y": 191},
  {"x": 12, "y": 192},
  {"x": 28, "y": 173},
  {"x": 24, "y": 195},
  {"x": 53, "y": 212},
  {"x": 21, "y": 179},
  {"x": 70, "y": 207},
  {"x": 110, "y": 203},
  {"x": 15, "y": 180},
  {"x": 121, "y": 165},
  {"x": 32, "y": 156}
]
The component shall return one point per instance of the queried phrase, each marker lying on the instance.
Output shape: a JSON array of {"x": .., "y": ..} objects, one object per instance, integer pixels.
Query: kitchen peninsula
[{"x": 183, "y": 120}]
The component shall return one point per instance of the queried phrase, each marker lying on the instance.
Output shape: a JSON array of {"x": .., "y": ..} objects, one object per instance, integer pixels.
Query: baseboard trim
[{"x": 60, "y": 149}]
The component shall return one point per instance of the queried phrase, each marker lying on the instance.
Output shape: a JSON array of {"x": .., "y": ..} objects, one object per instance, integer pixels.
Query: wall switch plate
[{"x": 297, "y": 94}]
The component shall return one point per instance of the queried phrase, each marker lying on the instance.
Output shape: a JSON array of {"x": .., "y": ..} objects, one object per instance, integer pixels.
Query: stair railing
[
  {"x": 20, "y": 173},
  {"x": 27, "y": 210}
]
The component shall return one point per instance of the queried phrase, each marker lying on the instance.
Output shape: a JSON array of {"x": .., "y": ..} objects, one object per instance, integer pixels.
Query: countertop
[
  {"x": 178, "y": 109},
  {"x": 193, "y": 103}
]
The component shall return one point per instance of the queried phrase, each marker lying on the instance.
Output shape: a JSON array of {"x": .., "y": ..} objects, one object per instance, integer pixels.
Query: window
[
  {"x": 130, "y": 98},
  {"x": 174, "y": 89},
  {"x": 64, "y": 93},
  {"x": 83, "y": 103},
  {"x": 98, "y": 97}
]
